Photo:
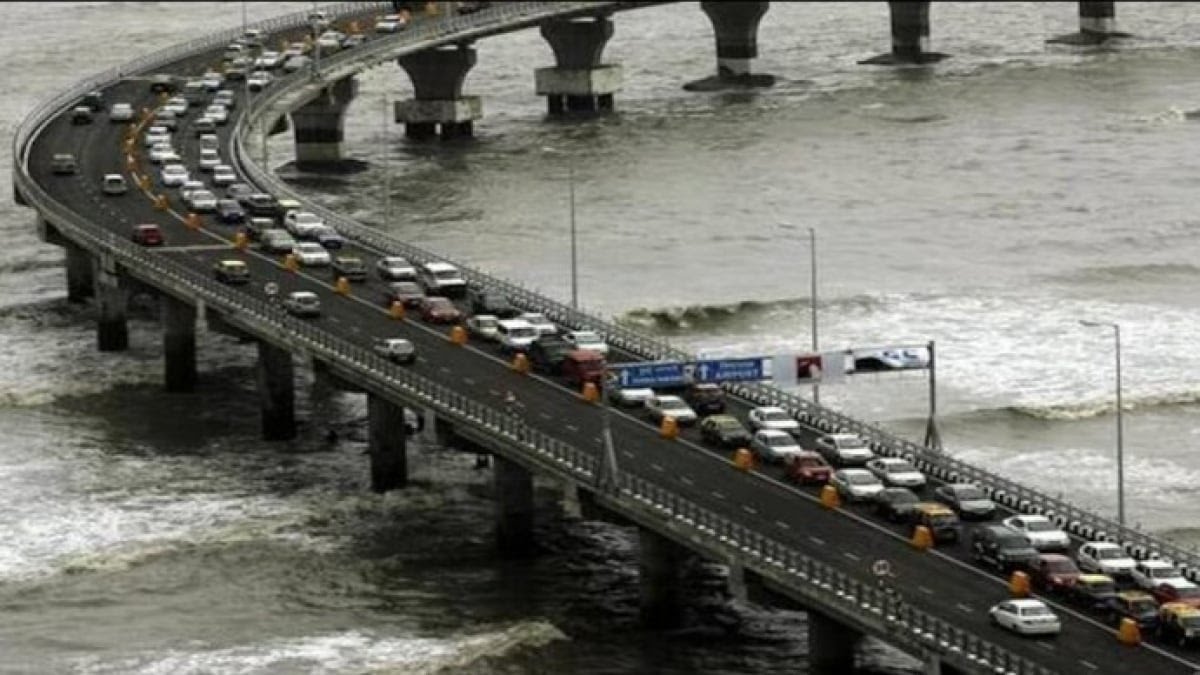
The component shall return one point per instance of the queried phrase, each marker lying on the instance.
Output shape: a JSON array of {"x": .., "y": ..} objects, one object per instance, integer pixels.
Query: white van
[
  {"x": 515, "y": 335},
  {"x": 440, "y": 278},
  {"x": 209, "y": 142}
]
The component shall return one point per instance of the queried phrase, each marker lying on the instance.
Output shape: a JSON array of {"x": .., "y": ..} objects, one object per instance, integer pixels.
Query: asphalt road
[{"x": 943, "y": 581}]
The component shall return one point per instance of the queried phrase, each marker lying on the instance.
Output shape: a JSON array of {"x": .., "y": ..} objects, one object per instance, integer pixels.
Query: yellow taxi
[
  {"x": 1179, "y": 623},
  {"x": 943, "y": 523}
]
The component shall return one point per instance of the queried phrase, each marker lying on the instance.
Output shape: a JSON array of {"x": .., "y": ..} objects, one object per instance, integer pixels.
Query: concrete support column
[
  {"x": 831, "y": 645},
  {"x": 910, "y": 36},
  {"x": 735, "y": 26},
  {"x": 1097, "y": 24},
  {"x": 276, "y": 392},
  {"x": 438, "y": 104},
  {"x": 179, "y": 344},
  {"x": 318, "y": 125},
  {"x": 387, "y": 444},
  {"x": 659, "y": 562},
  {"x": 514, "y": 507},
  {"x": 112, "y": 331},
  {"x": 81, "y": 279},
  {"x": 579, "y": 82}
]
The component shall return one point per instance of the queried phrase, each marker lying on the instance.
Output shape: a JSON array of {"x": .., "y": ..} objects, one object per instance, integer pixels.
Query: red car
[
  {"x": 437, "y": 309},
  {"x": 148, "y": 235},
  {"x": 1054, "y": 572},
  {"x": 809, "y": 467},
  {"x": 1169, "y": 592}
]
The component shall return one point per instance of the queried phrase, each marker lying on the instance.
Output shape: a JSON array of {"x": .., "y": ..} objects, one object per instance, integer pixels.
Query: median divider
[
  {"x": 1018, "y": 585},
  {"x": 290, "y": 263},
  {"x": 396, "y": 310},
  {"x": 922, "y": 538},
  {"x": 520, "y": 363},
  {"x": 669, "y": 429},
  {"x": 458, "y": 336},
  {"x": 161, "y": 203},
  {"x": 743, "y": 459},
  {"x": 1129, "y": 633},
  {"x": 830, "y": 498},
  {"x": 241, "y": 241},
  {"x": 590, "y": 392},
  {"x": 192, "y": 220},
  {"x": 342, "y": 286}
]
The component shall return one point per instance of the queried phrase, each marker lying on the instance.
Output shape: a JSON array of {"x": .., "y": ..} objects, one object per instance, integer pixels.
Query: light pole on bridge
[
  {"x": 574, "y": 244},
  {"x": 812, "y": 291},
  {"x": 1116, "y": 329}
]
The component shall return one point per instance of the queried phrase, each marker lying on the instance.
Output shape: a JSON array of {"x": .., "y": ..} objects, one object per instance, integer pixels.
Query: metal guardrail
[
  {"x": 421, "y": 35},
  {"x": 859, "y": 603}
]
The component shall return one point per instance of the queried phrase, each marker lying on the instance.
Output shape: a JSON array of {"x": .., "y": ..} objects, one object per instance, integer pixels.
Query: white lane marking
[
  {"x": 782, "y": 525},
  {"x": 546, "y": 416},
  {"x": 1045, "y": 645},
  {"x": 816, "y": 540},
  {"x": 925, "y": 589},
  {"x": 851, "y": 556},
  {"x": 686, "y": 480},
  {"x": 493, "y": 392},
  {"x": 469, "y": 380},
  {"x": 1089, "y": 665},
  {"x": 965, "y": 607},
  {"x": 657, "y": 467},
  {"x": 750, "y": 509},
  {"x": 627, "y": 454},
  {"x": 444, "y": 369},
  {"x": 573, "y": 428},
  {"x": 718, "y": 495}
]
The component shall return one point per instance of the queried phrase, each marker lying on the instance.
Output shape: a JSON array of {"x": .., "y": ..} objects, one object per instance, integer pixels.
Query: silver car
[
  {"x": 302, "y": 303},
  {"x": 856, "y": 485},
  {"x": 396, "y": 349},
  {"x": 661, "y": 407},
  {"x": 775, "y": 446}
]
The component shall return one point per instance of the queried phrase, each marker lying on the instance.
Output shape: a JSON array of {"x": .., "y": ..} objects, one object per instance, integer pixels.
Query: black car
[
  {"x": 485, "y": 301},
  {"x": 254, "y": 227},
  {"x": 548, "y": 352},
  {"x": 350, "y": 267},
  {"x": 163, "y": 83},
  {"x": 230, "y": 212},
  {"x": 896, "y": 504},
  {"x": 1097, "y": 592},
  {"x": 1137, "y": 605},
  {"x": 93, "y": 100},
  {"x": 725, "y": 431},
  {"x": 967, "y": 500},
  {"x": 407, "y": 292},
  {"x": 81, "y": 115},
  {"x": 705, "y": 398},
  {"x": 239, "y": 191},
  {"x": 261, "y": 204},
  {"x": 1002, "y": 548}
]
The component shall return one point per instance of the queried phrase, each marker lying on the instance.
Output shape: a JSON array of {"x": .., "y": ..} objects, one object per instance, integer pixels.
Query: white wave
[{"x": 351, "y": 651}]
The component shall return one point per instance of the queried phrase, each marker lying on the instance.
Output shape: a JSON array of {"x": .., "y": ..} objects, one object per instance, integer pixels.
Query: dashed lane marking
[
  {"x": 1045, "y": 645},
  {"x": 816, "y": 540},
  {"x": 750, "y": 509},
  {"x": 469, "y": 380},
  {"x": 657, "y": 467},
  {"x": 782, "y": 525},
  {"x": 965, "y": 607},
  {"x": 192, "y": 247},
  {"x": 573, "y": 428},
  {"x": 851, "y": 556},
  {"x": 925, "y": 589},
  {"x": 1089, "y": 665},
  {"x": 718, "y": 495},
  {"x": 686, "y": 480}
]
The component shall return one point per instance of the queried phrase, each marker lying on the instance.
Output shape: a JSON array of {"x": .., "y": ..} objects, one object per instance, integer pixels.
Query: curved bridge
[{"x": 680, "y": 493}]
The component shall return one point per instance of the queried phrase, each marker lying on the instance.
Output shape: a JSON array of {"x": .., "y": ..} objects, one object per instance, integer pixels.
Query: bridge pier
[
  {"x": 112, "y": 330},
  {"x": 910, "y": 36},
  {"x": 438, "y": 104},
  {"x": 1097, "y": 25},
  {"x": 578, "y": 82},
  {"x": 831, "y": 645},
  {"x": 735, "y": 25},
  {"x": 514, "y": 507},
  {"x": 81, "y": 279},
  {"x": 276, "y": 392},
  {"x": 659, "y": 563},
  {"x": 318, "y": 125},
  {"x": 179, "y": 344},
  {"x": 387, "y": 444}
]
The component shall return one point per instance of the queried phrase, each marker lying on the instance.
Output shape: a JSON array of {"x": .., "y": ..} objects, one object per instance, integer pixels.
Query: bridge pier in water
[
  {"x": 513, "y": 485},
  {"x": 579, "y": 82},
  {"x": 81, "y": 278},
  {"x": 276, "y": 392},
  {"x": 831, "y": 645},
  {"x": 112, "y": 329},
  {"x": 318, "y": 125},
  {"x": 438, "y": 105},
  {"x": 387, "y": 444},
  {"x": 735, "y": 26},
  {"x": 659, "y": 564},
  {"x": 1097, "y": 25},
  {"x": 910, "y": 36},
  {"x": 179, "y": 343}
]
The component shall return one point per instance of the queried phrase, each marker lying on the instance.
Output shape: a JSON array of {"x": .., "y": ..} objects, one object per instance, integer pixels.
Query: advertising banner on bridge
[
  {"x": 888, "y": 359},
  {"x": 789, "y": 369}
]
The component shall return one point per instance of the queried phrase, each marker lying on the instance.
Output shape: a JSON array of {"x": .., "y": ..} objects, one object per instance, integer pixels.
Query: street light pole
[
  {"x": 574, "y": 249},
  {"x": 812, "y": 264},
  {"x": 387, "y": 169},
  {"x": 1120, "y": 420}
]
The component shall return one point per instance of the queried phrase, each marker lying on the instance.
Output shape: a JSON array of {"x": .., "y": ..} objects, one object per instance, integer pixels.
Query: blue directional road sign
[
  {"x": 655, "y": 374},
  {"x": 728, "y": 370}
]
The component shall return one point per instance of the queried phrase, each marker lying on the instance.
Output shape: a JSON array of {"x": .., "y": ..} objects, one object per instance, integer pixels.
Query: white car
[
  {"x": 163, "y": 153},
  {"x": 258, "y": 80},
  {"x": 174, "y": 175},
  {"x": 772, "y": 417},
  {"x": 209, "y": 159},
  {"x": 1104, "y": 557},
  {"x": 395, "y": 268},
  {"x": 217, "y": 113},
  {"x": 661, "y": 407},
  {"x": 296, "y": 62},
  {"x": 631, "y": 397},
  {"x": 586, "y": 339},
  {"x": 202, "y": 201},
  {"x": 391, "y": 23},
  {"x": 1025, "y": 616},
  {"x": 177, "y": 104},
  {"x": 223, "y": 175},
  {"x": 312, "y": 254},
  {"x": 396, "y": 349},
  {"x": 442, "y": 278},
  {"x": 1041, "y": 532},
  {"x": 113, "y": 184},
  {"x": 856, "y": 485},
  {"x": 775, "y": 446},
  {"x": 844, "y": 449},
  {"x": 483, "y": 325},
  {"x": 515, "y": 335},
  {"x": 302, "y": 224},
  {"x": 212, "y": 80},
  {"x": 189, "y": 186},
  {"x": 1149, "y": 574},
  {"x": 226, "y": 98},
  {"x": 896, "y": 472},
  {"x": 120, "y": 112},
  {"x": 268, "y": 60},
  {"x": 153, "y": 138},
  {"x": 302, "y": 303},
  {"x": 540, "y": 322}
]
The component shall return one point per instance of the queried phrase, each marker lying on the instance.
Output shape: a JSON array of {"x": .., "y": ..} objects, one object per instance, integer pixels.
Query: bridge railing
[{"x": 421, "y": 34}]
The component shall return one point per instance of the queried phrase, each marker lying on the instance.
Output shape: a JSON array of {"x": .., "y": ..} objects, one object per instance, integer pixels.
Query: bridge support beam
[
  {"x": 438, "y": 104},
  {"x": 387, "y": 444},
  {"x": 318, "y": 125},
  {"x": 1097, "y": 25},
  {"x": 735, "y": 25},
  {"x": 112, "y": 330},
  {"x": 179, "y": 344},
  {"x": 276, "y": 392},
  {"x": 578, "y": 83},
  {"x": 910, "y": 36},
  {"x": 659, "y": 563},
  {"x": 514, "y": 507},
  {"x": 831, "y": 645},
  {"x": 81, "y": 279}
]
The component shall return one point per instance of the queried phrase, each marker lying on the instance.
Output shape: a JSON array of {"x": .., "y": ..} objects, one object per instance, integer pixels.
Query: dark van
[
  {"x": 582, "y": 365},
  {"x": 705, "y": 398},
  {"x": 548, "y": 352}
]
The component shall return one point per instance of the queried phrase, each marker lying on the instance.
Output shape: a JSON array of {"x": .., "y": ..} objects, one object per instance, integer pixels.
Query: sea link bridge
[{"x": 782, "y": 545}]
